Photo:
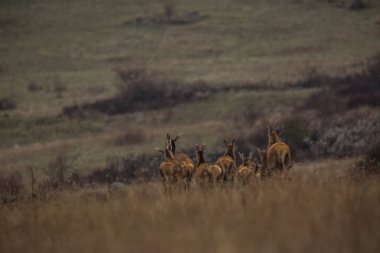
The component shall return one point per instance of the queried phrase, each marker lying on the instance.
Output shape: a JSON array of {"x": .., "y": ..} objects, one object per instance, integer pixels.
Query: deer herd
[{"x": 178, "y": 168}]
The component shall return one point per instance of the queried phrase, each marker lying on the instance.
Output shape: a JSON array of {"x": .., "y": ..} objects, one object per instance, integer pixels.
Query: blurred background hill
[{"x": 88, "y": 80}]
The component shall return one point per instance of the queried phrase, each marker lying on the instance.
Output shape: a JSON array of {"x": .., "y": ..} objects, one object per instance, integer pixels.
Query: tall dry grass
[{"x": 314, "y": 212}]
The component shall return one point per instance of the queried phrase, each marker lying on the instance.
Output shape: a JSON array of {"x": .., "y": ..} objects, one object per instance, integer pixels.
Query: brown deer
[
  {"x": 262, "y": 165},
  {"x": 169, "y": 168},
  {"x": 278, "y": 153},
  {"x": 206, "y": 173},
  {"x": 227, "y": 162},
  {"x": 185, "y": 161},
  {"x": 246, "y": 169}
]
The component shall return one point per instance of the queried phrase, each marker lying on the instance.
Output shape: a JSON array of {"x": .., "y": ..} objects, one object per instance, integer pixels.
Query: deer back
[{"x": 277, "y": 153}]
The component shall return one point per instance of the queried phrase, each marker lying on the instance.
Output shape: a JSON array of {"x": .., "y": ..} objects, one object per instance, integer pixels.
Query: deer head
[
  {"x": 168, "y": 154},
  {"x": 171, "y": 142},
  {"x": 246, "y": 160},
  {"x": 199, "y": 153},
  {"x": 262, "y": 154},
  {"x": 273, "y": 135},
  {"x": 230, "y": 148}
]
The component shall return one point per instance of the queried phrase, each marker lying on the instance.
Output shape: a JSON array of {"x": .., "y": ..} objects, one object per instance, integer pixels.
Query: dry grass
[{"x": 323, "y": 213}]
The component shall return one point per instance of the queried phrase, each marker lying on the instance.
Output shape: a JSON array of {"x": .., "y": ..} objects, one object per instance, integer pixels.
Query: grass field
[{"x": 321, "y": 209}]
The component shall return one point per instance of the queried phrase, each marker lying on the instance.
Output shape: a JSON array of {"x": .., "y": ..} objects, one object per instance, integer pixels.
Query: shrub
[
  {"x": 11, "y": 187},
  {"x": 131, "y": 136},
  {"x": 370, "y": 164},
  {"x": 297, "y": 135},
  {"x": 34, "y": 87},
  {"x": 348, "y": 92},
  {"x": 140, "y": 90},
  {"x": 58, "y": 170},
  {"x": 357, "y": 5},
  {"x": 7, "y": 104}
]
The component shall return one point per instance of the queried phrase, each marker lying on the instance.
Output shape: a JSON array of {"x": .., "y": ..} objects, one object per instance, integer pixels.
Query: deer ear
[
  {"x": 279, "y": 130},
  {"x": 241, "y": 156},
  {"x": 269, "y": 129},
  {"x": 250, "y": 155},
  {"x": 225, "y": 143},
  {"x": 168, "y": 136},
  {"x": 176, "y": 138}
]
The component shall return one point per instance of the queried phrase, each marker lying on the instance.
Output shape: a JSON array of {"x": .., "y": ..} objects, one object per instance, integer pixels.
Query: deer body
[
  {"x": 170, "y": 169},
  {"x": 278, "y": 153},
  {"x": 185, "y": 162},
  {"x": 245, "y": 170},
  {"x": 227, "y": 162},
  {"x": 206, "y": 173},
  {"x": 278, "y": 157}
]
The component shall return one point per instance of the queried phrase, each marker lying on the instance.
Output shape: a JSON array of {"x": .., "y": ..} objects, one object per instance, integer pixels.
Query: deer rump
[
  {"x": 243, "y": 174},
  {"x": 278, "y": 157},
  {"x": 208, "y": 173},
  {"x": 227, "y": 164},
  {"x": 170, "y": 171}
]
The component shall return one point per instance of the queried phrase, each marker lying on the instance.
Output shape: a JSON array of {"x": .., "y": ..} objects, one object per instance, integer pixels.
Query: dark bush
[
  {"x": 7, "y": 104},
  {"x": 140, "y": 90},
  {"x": 126, "y": 169},
  {"x": 311, "y": 78},
  {"x": 131, "y": 136},
  {"x": 297, "y": 135},
  {"x": 34, "y": 87},
  {"x": 348, "y": 92},
  {"x": 370, "y": 165},
  {"x": 58, "y": 171},
  {"x": 11, "y": 187},
  {"x": 357, "y": 5}
]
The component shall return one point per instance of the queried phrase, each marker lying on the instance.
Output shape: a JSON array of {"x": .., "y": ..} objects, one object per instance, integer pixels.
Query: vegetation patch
[
  {"x": 168, "y": 18},
  {"x": 352, "y": 91},
  {"x": 7, "y": 104}
]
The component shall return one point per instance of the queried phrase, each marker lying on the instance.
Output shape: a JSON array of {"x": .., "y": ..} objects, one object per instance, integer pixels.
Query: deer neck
[
  {"x": 168, "y": 155},
  {"x": 200, "y": 159},
  {"x": 272, "y": 140},
  {"x": 230, "y": 153}
]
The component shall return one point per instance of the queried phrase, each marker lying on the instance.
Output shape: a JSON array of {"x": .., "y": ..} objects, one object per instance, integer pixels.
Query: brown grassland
[{"x": 322, "y": 209}]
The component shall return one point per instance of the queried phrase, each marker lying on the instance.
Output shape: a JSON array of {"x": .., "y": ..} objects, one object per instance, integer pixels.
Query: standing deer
[
  {"x": 227, "y": 162},
  {"x": 245, "y": 170},
  {"x": 186, "y": 162},
  {"x": 262, "y": 166},
  {"x": 206, "y": 173},
  {"x": 278, "y": 153},
  {"x": 169, "y": 168}
]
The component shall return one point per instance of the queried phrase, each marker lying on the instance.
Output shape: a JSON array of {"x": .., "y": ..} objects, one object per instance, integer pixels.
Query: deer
[
  {"x": 227, "y": 162},
  {"x": 246, "y": 169},
  {"x": 206, "y": 173},
  {"x": 262, "y": 165},
  {"x": 186, "y": 163},
  {"x": 278, "y": 153},
  {"x": 169, "y": 168}
]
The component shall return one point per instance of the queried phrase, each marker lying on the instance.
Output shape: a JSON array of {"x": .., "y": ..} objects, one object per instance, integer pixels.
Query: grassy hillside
[
  {"x": 77, "y": 44},
  {"x": 56, "y": 54}
]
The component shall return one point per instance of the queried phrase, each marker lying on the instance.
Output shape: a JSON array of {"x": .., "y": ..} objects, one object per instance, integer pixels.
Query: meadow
[
  {"x": 320, "y": 209},
  {"x": 91, "y": 88}
]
